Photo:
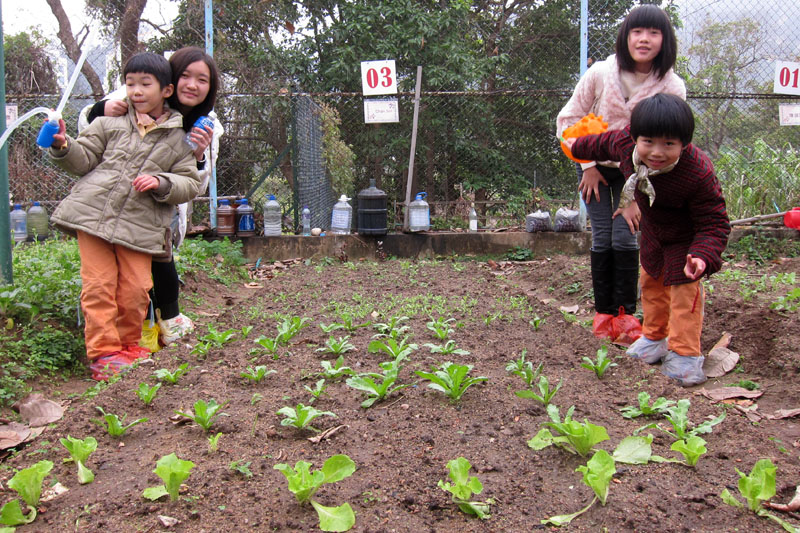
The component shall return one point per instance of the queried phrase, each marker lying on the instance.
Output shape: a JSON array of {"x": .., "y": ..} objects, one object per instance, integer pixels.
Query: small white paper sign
[
  {"x": 378, "y": 77},
  {"x": 787, "y": 78},
  {"x": 11, "y": 113},
  {"x": 789, "y": 114},
  {"x": 381, "y": 110}
]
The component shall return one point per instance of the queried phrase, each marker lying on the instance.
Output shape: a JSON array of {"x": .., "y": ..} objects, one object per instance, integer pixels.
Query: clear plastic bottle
[
  {"x": 245, "y": 226},
  {"x": 341, "y": 217},
  {"x": 272, "y": 217},
  {"x": 306, "y": 219},
  {"x": 202, "y": 123},
  {"x": 419, "y": 215},
  {"x": 19, "y": 223},
  {"x": 38, "y": 222},
  {"x": 473, "y": 219},
  {"x": 226, "y": 219}
]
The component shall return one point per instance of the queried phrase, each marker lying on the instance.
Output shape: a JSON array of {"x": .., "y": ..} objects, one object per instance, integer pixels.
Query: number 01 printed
[
  {"x": 787, "y": 78},
  {"x": 378, "y": 77}
]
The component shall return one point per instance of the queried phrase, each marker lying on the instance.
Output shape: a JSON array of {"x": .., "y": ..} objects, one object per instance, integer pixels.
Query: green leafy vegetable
[
  {"x": 147, "y": 393},
  {"x": 301, "y": 416},
  {"x": 317, "y": 390},
  {"x": 573, "y": 436},
  {"x": 256, "y": 374},
  {"x": 451, "y": 379},
  {"x": 524, "y": 369},
  {"x": 447, "y": 348},
  {"x": 756, "y": 488},
  {"x": 678, "y": 416},
  {"x": 441, "y": 328},
  {"x": 602, "y": 363},
  {"x": 660, "y": 406},
  {"x": 691, "y": 449},
  {"x": 463, "y": 487},
  {"x": 80, "y": 450},
  {"x": 598, "y": 472},
  {"x": 377, "y": 386},
  {"x": 204, "y": 412},
  {"x": 398, "y": 350},
  {"x": 335, "y": 370},
  {"x": 173, "y": 472},
  {"x": 163, "y": 374},
  {"x": 28, "y": 484},
  {"x": 113, "y": 424},
  {"x": 545, "y": 395},
  {"x": 337, "y": 347}
]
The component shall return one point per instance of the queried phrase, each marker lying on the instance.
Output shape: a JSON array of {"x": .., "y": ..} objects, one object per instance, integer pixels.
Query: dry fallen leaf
[
  {"x": 790, "y": 507},
  {"x": 253, "y": 285},
  {"x": 167, "y": 521},
  {"x": 571, "y": 309},
  {"x": 326, "y": 434},
  {"x": 719, "y": 362},
  {"x": 13, "y": 434},
  {"x": 784, "y": 413},
  {"x": 37, "y": 411},
  {"x": 724, "y": 393},
  {"x": 53, "y": 492}
]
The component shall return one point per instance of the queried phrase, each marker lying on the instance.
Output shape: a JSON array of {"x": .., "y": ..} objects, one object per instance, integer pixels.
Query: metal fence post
[
  {"x": 5, "y": 229},
  {"x": 212, "y": 184}
]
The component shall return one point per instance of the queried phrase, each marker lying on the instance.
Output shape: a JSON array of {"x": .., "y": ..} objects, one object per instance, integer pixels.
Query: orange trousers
[
  {"x": 675, "y": 311},
  {"x": 114, "y": 296}
]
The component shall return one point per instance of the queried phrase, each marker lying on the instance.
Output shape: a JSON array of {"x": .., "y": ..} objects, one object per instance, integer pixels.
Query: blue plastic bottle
[
  {"x": 49, "y": 129},
  {"x": 202, "y": 123},
  {"x": 306, "y": 218}
]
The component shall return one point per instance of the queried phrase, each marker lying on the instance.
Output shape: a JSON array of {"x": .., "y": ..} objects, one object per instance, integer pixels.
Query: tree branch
[{"x": 71, "y": 46}]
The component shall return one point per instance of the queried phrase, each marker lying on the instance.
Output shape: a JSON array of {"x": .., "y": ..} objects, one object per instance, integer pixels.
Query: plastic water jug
[
  {"x": 419, "y": 215},
  {"x": 306, "y": 219},
  {"x": 19, "y": 224},
  {"x": 371, "y": 212},
  {"x": 341, "y": 217},
  {"x": 272, "y": 217},
  {"x": 792, "y": 218},
  {"x": 202, "y": 123},
  {"x": 473, "y": 219},
  {"x": 245, "y": 226},
  {"x": 226, "y": 219},
  {"x": 38, "y": 222}
]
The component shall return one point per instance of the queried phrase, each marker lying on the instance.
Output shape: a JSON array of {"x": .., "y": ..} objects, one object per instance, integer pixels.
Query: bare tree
[{"x": 73, "y": 47}]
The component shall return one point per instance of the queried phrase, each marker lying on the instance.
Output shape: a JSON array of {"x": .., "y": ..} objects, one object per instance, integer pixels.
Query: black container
[{"x": 372, "y": 211}]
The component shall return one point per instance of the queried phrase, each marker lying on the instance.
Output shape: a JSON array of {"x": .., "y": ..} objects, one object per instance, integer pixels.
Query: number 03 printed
[
  {"x": 378, "y": 77},
  {"x": 787, "y": 78}
]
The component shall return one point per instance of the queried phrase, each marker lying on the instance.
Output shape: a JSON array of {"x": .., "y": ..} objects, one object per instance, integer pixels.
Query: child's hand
[
  {"x": 115, "y": 108},
  {"x": 590, "y": 183},
  {"x": 694, "y": 267},
  {"x": 631, "y": 214},
  {"x": 60, "y": 138},
  {"x": 202, "y": 138},
  {"x": 145, "y": 182}
]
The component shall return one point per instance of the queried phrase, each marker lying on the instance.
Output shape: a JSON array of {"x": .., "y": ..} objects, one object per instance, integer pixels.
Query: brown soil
[{"x": 401, "y": 445}]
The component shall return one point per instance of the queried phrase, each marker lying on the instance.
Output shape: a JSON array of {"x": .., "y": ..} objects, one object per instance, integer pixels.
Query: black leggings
[{"x": 164, "y": 293}]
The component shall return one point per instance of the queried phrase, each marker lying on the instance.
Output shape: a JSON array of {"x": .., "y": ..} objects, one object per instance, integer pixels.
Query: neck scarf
[{"x": 640, "y": 179}]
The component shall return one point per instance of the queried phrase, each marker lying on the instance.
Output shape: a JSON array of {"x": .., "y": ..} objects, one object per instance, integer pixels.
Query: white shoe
[
  {"x": 174, "y": 328},
  {"x": 687, "y": 370},
  {"x": 651, "y": 352}
]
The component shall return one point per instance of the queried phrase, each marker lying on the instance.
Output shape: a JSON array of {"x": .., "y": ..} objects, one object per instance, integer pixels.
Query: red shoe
[
  {"x": 137, "y": 352},
  {"x": 109, "y": 365}
]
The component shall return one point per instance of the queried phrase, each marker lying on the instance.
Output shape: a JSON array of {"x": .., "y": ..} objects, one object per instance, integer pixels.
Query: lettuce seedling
[
  {"x": 80, "y": 450},
  {"x": 574, "y": 436},
  {"x": 597, "y": 475},
  {"x": 441, "y": 328},
  {"x": 451, "y": 379},
  {"x": 213, "y": 442},
  {"x": 270, "y": 344},
  {"x": 336, "y": 347},
  {"x": 204, "y": 412},
  {"x": 301, "y": 416},
  {"x": 173, "y": 472},
  {"x": 317, "y": 390},
  {"x": 602, "y": 363},
  {"x": 335, "y": 370},
  {"x": 349, "y": 322},
  {"x": 678, "y": 416},
  {"x": 113, "y": 424},
  {"x": 218, "y": 339},
  {"x": 398, "y": 350},
  {"x": 524, "y": 369},
  {"x": 304, "y": 484},
  {"x": 147, "y": 393},
  {"x": 660, "y": 406},
  {"x": 377, "y": 386},
  {"x": 28, "y": 484},
  {"x": 256, "y": 374},
  {"x": 545, "y": 395},
  {"x": 448, "y": 348},
  {"x": 691, "y": 449},
  {"x": 289, "y": 328},
  {"x": 463, "y": 487},
  {"x": 163, "y": 374},
  {"x": 758, "y": 487},
  {"x": 392, "y": 328}
]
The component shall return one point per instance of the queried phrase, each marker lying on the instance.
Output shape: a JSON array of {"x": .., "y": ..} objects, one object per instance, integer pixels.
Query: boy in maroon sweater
[{"x": 674, "y": 198}]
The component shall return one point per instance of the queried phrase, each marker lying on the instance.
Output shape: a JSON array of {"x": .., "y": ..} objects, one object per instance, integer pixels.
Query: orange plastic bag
[
  {"x": 626, "y": 328},
  {"x": 602, "y": 326},
  {"x": 588, "y": 125}
]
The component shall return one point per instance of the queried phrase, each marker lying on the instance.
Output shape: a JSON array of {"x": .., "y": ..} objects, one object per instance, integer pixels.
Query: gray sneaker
[
  {"x": 651, "y": 352},
  {"x": 687, "y": 370}
]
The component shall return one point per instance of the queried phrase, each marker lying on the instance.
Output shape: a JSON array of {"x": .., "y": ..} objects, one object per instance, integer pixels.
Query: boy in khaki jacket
[{"x": 135, "y": 169}]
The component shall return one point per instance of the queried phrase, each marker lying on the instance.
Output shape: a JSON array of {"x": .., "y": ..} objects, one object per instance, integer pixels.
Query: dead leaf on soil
[
  {"x": 720, "y": 360},
  {"x": 13, "y": 434},
  {"x": 750, "y": 412},
  {"x": 253, "y": 285},
  {"x": 168, "y": 521},
  {"x": 790, "y": 507},
  {"x": 725, "y": 393},
  {"x": 326, "y": 434},
  {"x": 37, "y": 411},
  {"x": 53, "y": 492},
  {"x": 570, "y": 309},
  {"x": 784, "y": 413}
]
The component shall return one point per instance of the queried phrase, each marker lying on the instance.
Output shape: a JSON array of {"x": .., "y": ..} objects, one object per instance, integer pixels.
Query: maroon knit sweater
[{"x": 688, "y": 215}]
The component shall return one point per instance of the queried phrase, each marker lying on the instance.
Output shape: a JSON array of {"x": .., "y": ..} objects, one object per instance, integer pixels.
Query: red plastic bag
[
  {"x": 602, "y": 326},
  {"x": 625, "y": 328}
]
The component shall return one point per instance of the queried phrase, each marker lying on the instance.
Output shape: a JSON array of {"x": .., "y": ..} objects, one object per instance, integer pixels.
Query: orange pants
[
  {"x": 114, "y": 296},
  {"x": 675, "y": 311}
]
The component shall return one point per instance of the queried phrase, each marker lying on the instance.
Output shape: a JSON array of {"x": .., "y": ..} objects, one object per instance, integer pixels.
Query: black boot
[
  {"x": 603, "y": 282},
  {"x": 626, "y": 280}
]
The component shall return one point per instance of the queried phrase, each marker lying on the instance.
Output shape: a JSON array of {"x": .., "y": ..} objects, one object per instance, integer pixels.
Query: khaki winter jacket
[{"x": 109, "y": 154}]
